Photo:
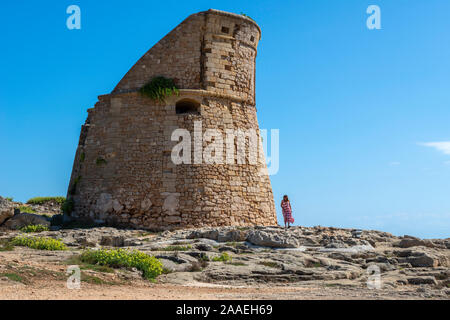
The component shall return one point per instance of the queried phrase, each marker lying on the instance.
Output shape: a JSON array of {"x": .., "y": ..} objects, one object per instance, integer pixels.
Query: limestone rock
[
  {"x": 425, "y": 260},
  {"x": 24, "y": 219},
  {"x": 422, "y": 280},
  {"x": 272, "y": 239},
  {"x": 414, "y": 242},
  {"x": 6, "y": 210}
]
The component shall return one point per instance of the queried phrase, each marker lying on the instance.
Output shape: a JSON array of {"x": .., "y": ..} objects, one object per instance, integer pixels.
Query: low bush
[
  {"x": 40, "y": 243},
  {"x": 43, "y": 200},
  {"x": 121, "y": 258},
  {"x": 224, "y": 257},
  {"x": 34, "y": 228}
]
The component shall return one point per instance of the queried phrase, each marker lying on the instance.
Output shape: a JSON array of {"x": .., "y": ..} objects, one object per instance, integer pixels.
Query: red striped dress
[{"x": 287, "y": 212}]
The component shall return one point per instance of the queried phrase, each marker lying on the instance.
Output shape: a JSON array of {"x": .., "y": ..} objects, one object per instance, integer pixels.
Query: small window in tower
[
  {"x": 225, "y": 30},
  {"x": 252, "y": 38},
  {"x": 187, "y": 106}
]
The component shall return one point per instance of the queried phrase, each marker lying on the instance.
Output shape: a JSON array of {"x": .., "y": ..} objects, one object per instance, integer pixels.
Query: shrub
[
  {"x": 9, "y": 198},
  {"x": 159, "y": 88},
  {"x": 100, "y": 161},
  {"x": 40, "y": 243},
  {"x": 34, "y": 228},
  {"x": 121, "y": 258},
  {"x": 42, "y": 200},
  {"x": 67, "y": 206},
  {"x": 224, "y": 257}
]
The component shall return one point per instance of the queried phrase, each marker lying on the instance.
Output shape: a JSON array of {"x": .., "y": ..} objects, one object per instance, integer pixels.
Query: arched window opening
[{"x": 187, "y": 106}]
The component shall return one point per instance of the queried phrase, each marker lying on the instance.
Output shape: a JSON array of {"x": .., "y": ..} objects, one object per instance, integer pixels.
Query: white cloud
[
  {"x": 394, "y": 163},
  {"x": 443, "y": 146}
]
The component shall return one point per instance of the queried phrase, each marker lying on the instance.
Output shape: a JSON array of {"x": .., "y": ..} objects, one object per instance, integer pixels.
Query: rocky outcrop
[
  {"x": 6, "y": 210},
  {"x": 24, "y": 219},
  {"x": 318, "y": 256}
]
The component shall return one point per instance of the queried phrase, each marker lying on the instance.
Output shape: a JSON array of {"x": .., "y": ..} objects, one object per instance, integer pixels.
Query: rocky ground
[{"x": 266, "y": 263}]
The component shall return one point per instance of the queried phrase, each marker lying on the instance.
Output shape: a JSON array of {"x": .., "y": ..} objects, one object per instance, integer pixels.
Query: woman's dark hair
[{"x": 285, "y": 196}]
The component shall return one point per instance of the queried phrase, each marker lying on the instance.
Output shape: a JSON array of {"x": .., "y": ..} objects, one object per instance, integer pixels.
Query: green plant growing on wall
[
  {"x": 82, "y": 156},
  {"x": 100, "y": 161},
  {"x": 159, "y": 88},
  {"x": 73, "y": 189},
  {"x": 67, "y": 206},
  {"x": 247, "y": 16}
]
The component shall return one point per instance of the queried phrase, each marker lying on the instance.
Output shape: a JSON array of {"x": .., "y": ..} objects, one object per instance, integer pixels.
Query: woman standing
[{"x": 287, "y": 211}]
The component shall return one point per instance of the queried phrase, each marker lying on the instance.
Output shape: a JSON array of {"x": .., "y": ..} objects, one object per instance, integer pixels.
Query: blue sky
[{"x": 355, "y": 107}]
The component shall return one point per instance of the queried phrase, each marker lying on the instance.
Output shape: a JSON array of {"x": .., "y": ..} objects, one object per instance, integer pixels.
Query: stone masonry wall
[{"x": 123, "y": 172}]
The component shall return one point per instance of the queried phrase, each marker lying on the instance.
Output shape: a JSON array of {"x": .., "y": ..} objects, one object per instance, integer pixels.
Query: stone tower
[{"x": 123, "y": 171}]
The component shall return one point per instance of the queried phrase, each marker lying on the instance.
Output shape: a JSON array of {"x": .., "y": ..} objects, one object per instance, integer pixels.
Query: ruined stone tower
[{"x": 123, "y": 172}]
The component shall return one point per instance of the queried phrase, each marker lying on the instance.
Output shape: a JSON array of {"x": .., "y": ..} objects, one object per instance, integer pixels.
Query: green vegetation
[
  {"x": 67, "y": 206},
  {"x": 34, "y": 228},
  {"x": 9, "y": 198},
  {"x": 100, "y": 161},
  {"x": 247, "y": 16},
  {"x": 76, "y": 260},
  {"x": 6, "y": 245},
  {"x": 121, "y": 258},
  {"x": 40, "y": 243},
  {"x": 12, "y": 276},
  {"x": 26, "y": 209},
  {"x": 159, "y": 88},
  {"x": 233, "y": 244},
  {"x": 43, "y": 200},
  {"x": 224, "y": 257},
  {"x": 269, "y": 264},
  {"x": 238, "y": 264},
  {"x": 173, "y": 248},
  {"x": 73, "y": 188},
  {"x": 94, "y": 280},
  {"x": 82, "y": 157}
]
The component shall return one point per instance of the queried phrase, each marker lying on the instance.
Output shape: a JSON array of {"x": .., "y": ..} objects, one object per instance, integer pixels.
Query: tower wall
[{"x": 123, "y": 172}]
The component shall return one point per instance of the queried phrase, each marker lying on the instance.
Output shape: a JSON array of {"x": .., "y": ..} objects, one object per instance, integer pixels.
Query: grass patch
[
  {"x": 121, "y": 258},
  {"x": 12, "y": 276},
  {"x": 26, "y": 209},
  {"x": 224, "y": 257},
  {"x": 76, "y": 260},
  {"x": 34, "y": 228},
  {"x": 43, "y": 200},
  {"x": 9, "y": 198},
  {"x": 269, "y": 264},
  {"x": 233, "y": 244},
  {"x": 6, "y": 245},
  {"x": 174, "y": 248},
  {"x": 40, "y": 243},
  {"x": 88, "y": 278}
]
